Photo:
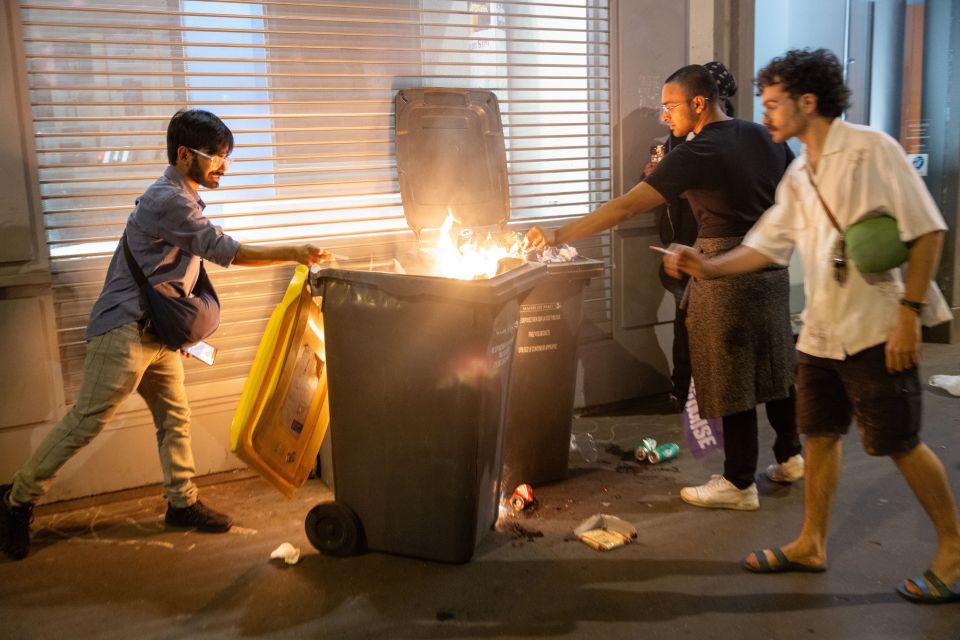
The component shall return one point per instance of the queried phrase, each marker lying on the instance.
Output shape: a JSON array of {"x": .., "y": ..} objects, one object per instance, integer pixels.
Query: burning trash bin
[
  {"x": 418, "y": 365},
  {"x": 543, "y": 378}
]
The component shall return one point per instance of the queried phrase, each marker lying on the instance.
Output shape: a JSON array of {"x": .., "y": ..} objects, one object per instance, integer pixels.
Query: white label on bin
[
  {"x": 547, "y": 318},
  {"x": 539, "y": 347},
  {"x": 501, "y": 353},
  {"x": 541, "y": 307}
]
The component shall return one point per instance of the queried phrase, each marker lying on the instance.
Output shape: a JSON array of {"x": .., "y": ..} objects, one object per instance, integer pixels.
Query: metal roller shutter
[{"x": 307, "y": 88}]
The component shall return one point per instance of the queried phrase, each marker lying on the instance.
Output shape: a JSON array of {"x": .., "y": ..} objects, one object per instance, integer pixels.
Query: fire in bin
[{"x": 470, "y": 254}]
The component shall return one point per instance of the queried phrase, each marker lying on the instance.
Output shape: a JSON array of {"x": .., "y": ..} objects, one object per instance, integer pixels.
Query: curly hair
[{"x": 803, "y": 71}]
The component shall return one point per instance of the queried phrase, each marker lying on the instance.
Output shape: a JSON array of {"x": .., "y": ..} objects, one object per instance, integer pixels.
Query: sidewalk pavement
[{"x": 107, "y": 568}]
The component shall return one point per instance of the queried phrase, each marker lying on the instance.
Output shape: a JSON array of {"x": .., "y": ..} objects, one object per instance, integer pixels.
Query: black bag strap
[
  {"x": 134, "y": 267},
  {"x": 132, "y": 264}
]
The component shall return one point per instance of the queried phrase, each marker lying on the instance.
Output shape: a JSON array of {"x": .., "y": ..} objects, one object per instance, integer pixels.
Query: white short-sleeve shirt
[{"x": 861, "y": 170}]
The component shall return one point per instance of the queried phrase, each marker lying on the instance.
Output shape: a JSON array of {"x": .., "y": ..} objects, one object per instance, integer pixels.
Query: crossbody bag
[{"x": 178, "y": 321}]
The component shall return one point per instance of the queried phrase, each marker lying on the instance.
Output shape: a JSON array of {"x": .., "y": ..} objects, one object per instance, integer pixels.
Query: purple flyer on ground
[{"x": 704, "y": 435}]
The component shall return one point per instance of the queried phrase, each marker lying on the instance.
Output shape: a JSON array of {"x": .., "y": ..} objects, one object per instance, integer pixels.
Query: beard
[{"x": 196, "y": 173}]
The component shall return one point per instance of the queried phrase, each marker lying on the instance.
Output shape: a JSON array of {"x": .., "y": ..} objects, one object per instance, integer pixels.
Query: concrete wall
[{"x": 30, "y": 387}]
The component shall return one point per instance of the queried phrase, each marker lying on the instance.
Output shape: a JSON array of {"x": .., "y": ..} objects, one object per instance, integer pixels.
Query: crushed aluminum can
[
  {"x": 663, "y": 452},
  {"x": 646, "y": 446},
  {"x": 522, "y": 497}
]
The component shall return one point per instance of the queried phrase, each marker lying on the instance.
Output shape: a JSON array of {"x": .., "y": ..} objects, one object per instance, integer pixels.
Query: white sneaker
[
  {"x": 789, "y": 471},
  {"x": 720, "y": 493}
]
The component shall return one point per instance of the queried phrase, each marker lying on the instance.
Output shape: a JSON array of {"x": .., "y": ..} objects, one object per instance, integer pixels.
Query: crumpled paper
[
  {"x": 286, "y": 552},
  {"x": 559, "y": 253},
  {"x": 950, "y": 383}
]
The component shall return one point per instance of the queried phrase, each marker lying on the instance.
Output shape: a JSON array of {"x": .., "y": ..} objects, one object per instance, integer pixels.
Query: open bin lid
[{"x": 451, "y": 156}]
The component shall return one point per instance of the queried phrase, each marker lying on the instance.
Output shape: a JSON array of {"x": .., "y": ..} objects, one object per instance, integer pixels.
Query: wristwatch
[{"x": 916, "y": 307}]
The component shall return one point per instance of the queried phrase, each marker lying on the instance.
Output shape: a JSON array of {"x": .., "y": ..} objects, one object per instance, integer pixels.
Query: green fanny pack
[{"x": 874, "y": 244}]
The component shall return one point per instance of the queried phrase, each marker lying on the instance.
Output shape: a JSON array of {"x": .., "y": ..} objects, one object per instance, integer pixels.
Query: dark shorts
[{"x": 886, "y": 405}]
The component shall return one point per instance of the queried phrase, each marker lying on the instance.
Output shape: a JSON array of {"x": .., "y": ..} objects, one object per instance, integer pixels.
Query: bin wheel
[{"x": 333, "y": 528}]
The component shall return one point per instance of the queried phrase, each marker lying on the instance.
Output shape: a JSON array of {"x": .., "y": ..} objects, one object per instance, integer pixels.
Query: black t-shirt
[{"x": 729, "y": 173}]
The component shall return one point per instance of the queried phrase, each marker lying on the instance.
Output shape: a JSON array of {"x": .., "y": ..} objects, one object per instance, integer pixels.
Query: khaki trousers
[{"x": 117, "y": 363}]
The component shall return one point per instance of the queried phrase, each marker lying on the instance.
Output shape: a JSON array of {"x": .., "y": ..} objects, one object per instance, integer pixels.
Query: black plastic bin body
[
  {"x": 418, "y": 371},
  {"x": 543, "y": 377}
]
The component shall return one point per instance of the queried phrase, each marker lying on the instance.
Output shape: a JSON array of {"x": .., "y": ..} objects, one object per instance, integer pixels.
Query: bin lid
[{"x": 451, "y": 157}]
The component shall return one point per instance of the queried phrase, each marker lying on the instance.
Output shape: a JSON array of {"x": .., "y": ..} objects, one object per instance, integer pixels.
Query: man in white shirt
[{"x": 860, "y": 344}]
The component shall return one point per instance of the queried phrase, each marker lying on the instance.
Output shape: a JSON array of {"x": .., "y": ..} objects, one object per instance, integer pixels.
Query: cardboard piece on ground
[{"x": 605, "y": 532}]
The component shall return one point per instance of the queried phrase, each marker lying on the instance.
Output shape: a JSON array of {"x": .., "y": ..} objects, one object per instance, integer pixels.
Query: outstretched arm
[
  {"x": 640, "y": 199},
  {"x": 258, "y": 255}
]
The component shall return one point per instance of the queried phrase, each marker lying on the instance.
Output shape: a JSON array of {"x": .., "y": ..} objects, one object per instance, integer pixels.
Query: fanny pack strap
[{"x": 823, "y": 202}]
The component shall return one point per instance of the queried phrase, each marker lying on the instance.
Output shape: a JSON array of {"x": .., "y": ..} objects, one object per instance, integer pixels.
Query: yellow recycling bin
[{"x": 284, "y": 410}]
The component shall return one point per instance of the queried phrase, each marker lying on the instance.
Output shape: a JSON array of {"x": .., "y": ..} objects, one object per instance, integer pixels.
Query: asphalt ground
[{"x": 106, "y": 567}]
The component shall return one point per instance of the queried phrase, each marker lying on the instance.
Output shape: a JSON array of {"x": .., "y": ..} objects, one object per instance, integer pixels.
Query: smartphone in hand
[{"x": 202, "y": 351}]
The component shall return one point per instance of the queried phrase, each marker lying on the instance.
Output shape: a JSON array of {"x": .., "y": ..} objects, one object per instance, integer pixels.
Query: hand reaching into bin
[{"x": 537, "y": 238}]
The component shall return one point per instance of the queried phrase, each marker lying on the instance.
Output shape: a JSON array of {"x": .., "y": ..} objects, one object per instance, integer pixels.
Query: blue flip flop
[
  {"x": 940, "y": 594},
  {"x": 783, "y": 565}
]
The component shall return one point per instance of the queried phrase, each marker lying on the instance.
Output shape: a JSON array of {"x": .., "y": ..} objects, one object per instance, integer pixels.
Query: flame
[{"x": 467, "y": 257}]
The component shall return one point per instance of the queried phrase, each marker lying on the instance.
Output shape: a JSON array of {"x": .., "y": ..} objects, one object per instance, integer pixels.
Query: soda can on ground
[
  {"x": 522, "y": 497},
  {"x": 646, "y": 446},
  {"x": 663, "y": 452}
]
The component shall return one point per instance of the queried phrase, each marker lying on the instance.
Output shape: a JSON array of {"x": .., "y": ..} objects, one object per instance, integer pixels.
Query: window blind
[{"x": 307, "y": 88}]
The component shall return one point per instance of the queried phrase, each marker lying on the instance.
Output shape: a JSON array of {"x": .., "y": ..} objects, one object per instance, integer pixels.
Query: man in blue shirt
[{"x": 168, "y": 236}]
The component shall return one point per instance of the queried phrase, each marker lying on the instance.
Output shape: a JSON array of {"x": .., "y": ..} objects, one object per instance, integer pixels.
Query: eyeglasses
[
  {"x": 669, "y": 109},
  {"x": 215, "y": 160},
  {"x": 840, "y": 262}
]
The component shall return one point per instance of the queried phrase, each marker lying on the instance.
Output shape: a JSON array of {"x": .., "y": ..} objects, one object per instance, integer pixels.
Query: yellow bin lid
[{"x": 284, "y": 410}]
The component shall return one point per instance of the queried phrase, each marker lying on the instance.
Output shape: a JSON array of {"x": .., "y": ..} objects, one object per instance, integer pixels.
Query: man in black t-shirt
[
  {"x": 729, "y": 174},
  {"x": 676, "y": 224},
  {"x": 741, "y": 343}
]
